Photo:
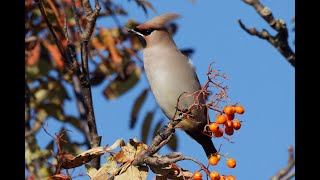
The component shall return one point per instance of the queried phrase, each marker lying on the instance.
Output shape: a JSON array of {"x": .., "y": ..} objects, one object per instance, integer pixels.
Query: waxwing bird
[{"x": 170, "y": 74}]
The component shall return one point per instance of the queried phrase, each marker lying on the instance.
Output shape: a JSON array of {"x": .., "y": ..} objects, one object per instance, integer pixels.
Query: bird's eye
[{"x": 147, "y": 32}]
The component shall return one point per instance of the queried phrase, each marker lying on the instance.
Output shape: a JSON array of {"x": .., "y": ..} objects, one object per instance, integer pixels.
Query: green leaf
[
  {"x": 173, "y": 143},
  {"x": 146, "y": 126},
  {"x": 137, "y": 106},
  {"x": 53, "y": 110},
  {"x": 119, "y": 86}
]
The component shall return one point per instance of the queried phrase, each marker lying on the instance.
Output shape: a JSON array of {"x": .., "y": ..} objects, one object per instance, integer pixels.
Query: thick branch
[{"x": 280, "y": 41}]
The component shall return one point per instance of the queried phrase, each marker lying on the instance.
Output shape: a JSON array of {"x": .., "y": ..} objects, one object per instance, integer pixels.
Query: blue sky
[{"x": 260, "y": 79}]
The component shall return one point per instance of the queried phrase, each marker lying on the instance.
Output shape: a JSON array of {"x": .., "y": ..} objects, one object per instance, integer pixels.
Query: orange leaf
[
  {"x": 109, "y": 41},
  {"x": 34, "y": 55},
  {"x": 56, "y": 55}
]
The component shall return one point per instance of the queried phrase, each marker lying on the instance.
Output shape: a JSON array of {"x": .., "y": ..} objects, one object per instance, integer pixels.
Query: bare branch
[
  {"x": 279, "y": 41},
  {"x": 84, "y": 37},
  {"x": 287, "y": 172}
]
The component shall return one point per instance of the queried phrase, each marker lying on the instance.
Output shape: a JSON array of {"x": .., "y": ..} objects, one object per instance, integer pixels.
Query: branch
[
  {"x": 286, "y": 173},
  {"x": 279, "y": 41},
  {"x": 84, "y": 37}
]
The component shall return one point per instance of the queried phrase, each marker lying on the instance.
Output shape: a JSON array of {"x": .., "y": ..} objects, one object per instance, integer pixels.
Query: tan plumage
[{"x": 170, "y": 73}]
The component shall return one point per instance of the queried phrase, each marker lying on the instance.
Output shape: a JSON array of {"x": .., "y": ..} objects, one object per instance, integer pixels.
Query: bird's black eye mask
[{"x": 145, "y": 32}]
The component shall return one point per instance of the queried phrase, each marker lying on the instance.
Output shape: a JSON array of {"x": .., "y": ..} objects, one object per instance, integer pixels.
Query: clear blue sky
[{"x": 260, "y": 79}]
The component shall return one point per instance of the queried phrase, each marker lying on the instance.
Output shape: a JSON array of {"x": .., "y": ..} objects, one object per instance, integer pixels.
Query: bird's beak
[{"x": 132, "y": 31}]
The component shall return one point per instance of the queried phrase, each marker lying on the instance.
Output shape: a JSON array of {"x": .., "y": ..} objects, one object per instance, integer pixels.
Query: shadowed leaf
[
  {"x": 173, "y": 143},
  {"x": 119, "y": 86},
  {"x": 137, "y": 106},
  {"x": 54, "y": 52},
  {"x": 187, "y": 52},
  {"x": 146, "y": 126},
  {"x": 143, "y": 4},
  {"x": 156, "y": 129}
]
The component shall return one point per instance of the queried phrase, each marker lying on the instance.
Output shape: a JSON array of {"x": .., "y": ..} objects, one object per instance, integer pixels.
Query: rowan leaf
[
  {"x": 137, "y": 106},
  {"x": 146, "y": 126}
]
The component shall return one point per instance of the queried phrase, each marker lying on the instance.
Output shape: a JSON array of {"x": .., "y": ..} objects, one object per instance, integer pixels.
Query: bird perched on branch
[{"x": 170, "y": 74}]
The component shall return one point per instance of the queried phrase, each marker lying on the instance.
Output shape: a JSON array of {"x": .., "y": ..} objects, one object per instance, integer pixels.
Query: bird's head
[{"x": 154, "y": 31}]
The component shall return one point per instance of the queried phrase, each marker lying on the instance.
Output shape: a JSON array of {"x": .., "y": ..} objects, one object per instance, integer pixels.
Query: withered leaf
[
  {"x": 172, "y": 171},
  {"x": 137, "y": 106},
  {"x": 133, "y": 173},
  {"x": 83, "y": 158}
]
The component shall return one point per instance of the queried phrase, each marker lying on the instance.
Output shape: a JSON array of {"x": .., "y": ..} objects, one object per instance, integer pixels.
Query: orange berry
[
  {"x": 214, "y": 126},
  {"x": 236, "y": 124},
  {"x": 231, "y": 163},
  {"x": 197, "y": 175},
  {"x": 229, "y": 131},
  {"x": 228, "y": 124},
  {"x": 213, "y": 160},
  {"x": 239, "y": 109},
  {"x": 228, "y": 110},
  {"x": 222, "y": 178},
  {"x": 230, "y": 177},
  {"x": 214, "y": 175},
  {"x": 218, "y": 133},
  {"x": 230, "y": 116},
  {"x": 221, "y": 119}
]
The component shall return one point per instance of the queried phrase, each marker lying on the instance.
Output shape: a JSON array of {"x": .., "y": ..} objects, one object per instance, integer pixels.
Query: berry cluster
[{"x": 225, "y": 124}]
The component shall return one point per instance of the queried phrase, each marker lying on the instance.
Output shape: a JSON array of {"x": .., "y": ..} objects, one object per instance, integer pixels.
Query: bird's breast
[{"x": 170, "y": 74}]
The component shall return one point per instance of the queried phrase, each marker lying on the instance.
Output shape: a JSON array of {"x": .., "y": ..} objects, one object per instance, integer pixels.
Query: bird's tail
[{"x": 205, "y": 142}]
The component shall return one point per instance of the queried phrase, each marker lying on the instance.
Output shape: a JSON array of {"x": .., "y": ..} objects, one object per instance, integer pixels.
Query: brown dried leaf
[
  {"x": 137, "y": 106},
  {"x": 133, "y": 173},
  {"x": 172, "y": 171},
  {"x": 126, "y": 153},
  {"x": 83, "y": 158}
]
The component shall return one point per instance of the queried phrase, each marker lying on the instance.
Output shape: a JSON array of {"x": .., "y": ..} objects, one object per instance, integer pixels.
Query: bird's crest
[{"x": 159, "y": 22}]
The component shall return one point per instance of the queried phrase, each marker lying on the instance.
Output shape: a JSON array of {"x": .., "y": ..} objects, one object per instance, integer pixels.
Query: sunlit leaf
[
  {"x": 137, "y": 106},
  {"x": 133, "y": 173},
  {"x": 91, "y": 171},
  {"x": 146, "y": 126},
  {"x": 83, "y": 158}
]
